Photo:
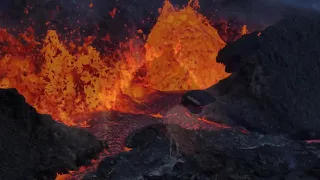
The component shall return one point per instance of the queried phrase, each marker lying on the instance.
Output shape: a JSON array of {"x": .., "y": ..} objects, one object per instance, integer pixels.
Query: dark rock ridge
[
  {"x": 274, "y": 86},
  {"x": 177, "y": 153},
  {"x": 34, "y": 146}
]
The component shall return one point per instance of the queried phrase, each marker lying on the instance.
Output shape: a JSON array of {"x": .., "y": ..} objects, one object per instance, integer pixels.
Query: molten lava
[
  {"x": 70, "y": 81},
  {"x": 181, "y": 51}
]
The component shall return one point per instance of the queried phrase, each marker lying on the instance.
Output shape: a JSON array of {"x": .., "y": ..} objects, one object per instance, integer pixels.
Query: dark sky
[
  {"x": 248, "y": 10},
  {"x": 257, "y": 14}
]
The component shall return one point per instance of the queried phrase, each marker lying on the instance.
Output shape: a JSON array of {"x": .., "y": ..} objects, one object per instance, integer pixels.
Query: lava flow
[{"x": 69, "y": 81}]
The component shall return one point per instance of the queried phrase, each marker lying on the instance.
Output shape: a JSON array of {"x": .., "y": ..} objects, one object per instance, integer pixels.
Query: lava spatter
[
  {"x": 71, "y": 81},
  {"x": 181, "y": 51}
]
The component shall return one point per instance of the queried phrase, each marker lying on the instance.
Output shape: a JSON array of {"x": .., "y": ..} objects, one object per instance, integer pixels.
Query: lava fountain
[{"x": 70, "y": 81}]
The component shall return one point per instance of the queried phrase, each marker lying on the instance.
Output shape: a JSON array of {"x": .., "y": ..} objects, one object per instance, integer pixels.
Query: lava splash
[{"x": 70, "y": 81}]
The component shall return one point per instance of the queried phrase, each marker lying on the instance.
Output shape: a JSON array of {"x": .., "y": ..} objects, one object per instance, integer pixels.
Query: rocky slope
[
  {"x": 34, "y": 146},
  {"x": 274, "y": 86}
]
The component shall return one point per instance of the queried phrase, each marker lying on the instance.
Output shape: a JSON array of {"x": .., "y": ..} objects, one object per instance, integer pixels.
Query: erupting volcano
[
  {"x": 122, "y": 90},
  {"x": 70, "y": 81}
]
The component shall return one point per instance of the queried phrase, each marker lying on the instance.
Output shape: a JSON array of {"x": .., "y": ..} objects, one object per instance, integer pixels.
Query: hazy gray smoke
[
  {"x": 307, "y": 4},
  {"x": 260, "y": 13}
]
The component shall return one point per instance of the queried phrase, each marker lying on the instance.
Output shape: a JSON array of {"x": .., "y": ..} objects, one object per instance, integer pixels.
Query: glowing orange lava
[
  {"x": 181, "y": 51},
  {"x": 70, "y": 81},
  {"x": 63, "y": 176}
]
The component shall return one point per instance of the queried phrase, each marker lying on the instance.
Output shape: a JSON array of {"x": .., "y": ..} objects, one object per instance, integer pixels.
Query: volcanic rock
[
  {"x": 153, "y": 157},
  {"x": 194, "y": 100},
  {"x": 146, "y": 135},
  {"x": 237, "y": 155},
  {"x": 223, "y": 154},
  {"x": 274, "y": 86},
  {"x": 34, "y": 146}
]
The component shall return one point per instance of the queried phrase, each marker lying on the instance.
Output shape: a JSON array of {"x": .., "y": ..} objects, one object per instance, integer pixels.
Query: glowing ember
[
  {"x": 63, "y": 176},
  {"x": 70, "y": 81},
  {"x": 244, "y": 30},
  {"x": 126, "y": 149},
  {"x": 113, "y": 12}
]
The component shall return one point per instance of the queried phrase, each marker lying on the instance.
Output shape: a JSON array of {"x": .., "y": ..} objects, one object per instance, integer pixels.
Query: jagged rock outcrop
[
  {"x": 34, "y": 146},
  {"x": 274, "y": 86}
]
